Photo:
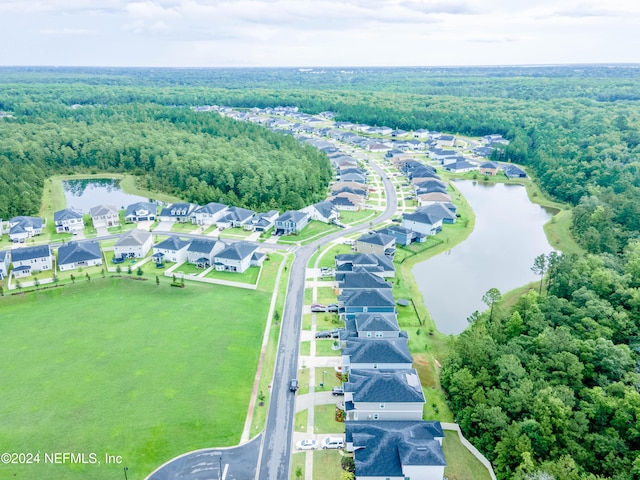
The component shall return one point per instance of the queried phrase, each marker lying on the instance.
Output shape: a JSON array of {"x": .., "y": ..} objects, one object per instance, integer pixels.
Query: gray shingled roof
[
  {"x": 362, "y": 259},
  {"x": 237, "y": 214},
  {"x": 325, "y": 208},
  {"x": 378, "y": 350},
  {"x": 437, "y": 210},
  {"x": 291, "y": 215},
  {"x": 202, "y": 245},
  {"x": 376, "y": 322},
  {"x": 211, "y": 208},
  {"x": 377, "y": 239},
  {"x": 152, "y": 208},
  {"x": 425, "y": 217},
  {"x": 28, "y": 253},
  {"x": 237, "y": 251},
  {"x": 361, "y": 279},
  {"x": 74, "y": 252},
  {"x": 173, "y": 243},
  {"x": 367, "y": 298},
  {"x": 66, "y": 214},
  {"x": 101, "y": 210},
  {"x": 382, "y": 448},
  {"x": 400, "y": 386},
  {"x": 133, "y": 238}
]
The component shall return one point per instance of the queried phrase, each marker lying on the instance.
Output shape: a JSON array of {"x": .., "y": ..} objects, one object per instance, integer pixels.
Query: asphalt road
[{"x": 275, "y": 455}]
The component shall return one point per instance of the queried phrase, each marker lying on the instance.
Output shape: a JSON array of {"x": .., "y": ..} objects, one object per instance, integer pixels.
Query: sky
[{"x": 309, "y": 33}]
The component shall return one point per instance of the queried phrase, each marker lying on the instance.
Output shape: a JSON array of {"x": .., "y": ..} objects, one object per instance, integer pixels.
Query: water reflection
[
  {"x": 86, "y": 193},
  {"x": 499, "y": 253}
]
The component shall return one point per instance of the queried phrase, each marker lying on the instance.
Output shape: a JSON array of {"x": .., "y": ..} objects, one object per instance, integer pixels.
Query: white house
[
  {"x": 68, "y": 220},
  {"x": 30, "y": 260},
  {"x": 135, "y": 243},
  {"x": 173, "y": 249},
  {"x": 5, "y": 261},
  {"x": 201, "y": 251},
  {"x": 422, "y": 222},
  {"x": 141, "y": 212},
  {"x": 322, "y": 211},
  {"x": 208, "y": 214},
  {"x": 238, "y": 257},
  {"x": 79, "y": 255},
  {"x": 177, "y": 212},
  {"x": 21, "y": 228},
  {"x": 373, "y": 353},
  {"x": 104, "y": 216}
]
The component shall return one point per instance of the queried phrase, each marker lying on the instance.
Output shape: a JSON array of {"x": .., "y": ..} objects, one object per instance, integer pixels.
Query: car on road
[
  {"x": 317, "y": 307},
  {"x": 307, "y": 444},
  {"x": 294, "y": 385},
  {"x": 337, "y": 391}
]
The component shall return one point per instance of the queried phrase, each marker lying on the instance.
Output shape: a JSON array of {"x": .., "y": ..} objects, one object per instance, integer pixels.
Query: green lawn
[
  {"x": 461, "y": 464},
  {"x": 324, "y": 348},
  {"x": 312, "y": 231},
  {"x": 326, "y": 465},
  {"x": 354, "y": 218},
  {"x": 329, "y": 258},
  {"x": 187, "y": 269},
  {"x": 298, "y": 462},
  {"x": 324, "y": 420},
  {"x": 328, "y": 321},
  {"x": 127, "y": 368},
  {"x": 326, "y": 295},
  {"x": 300, "y": 422},
  {"x": 235, "y": 233},
  {"x": 185, "y": 227},
  {"x": 249, "y": 276}
]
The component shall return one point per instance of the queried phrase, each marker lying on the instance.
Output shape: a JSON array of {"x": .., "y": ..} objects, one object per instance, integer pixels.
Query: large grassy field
[{"x": 124, "y": 367}]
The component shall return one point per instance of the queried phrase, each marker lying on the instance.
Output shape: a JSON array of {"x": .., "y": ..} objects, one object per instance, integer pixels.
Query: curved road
[{"x": 276, "y": 442}]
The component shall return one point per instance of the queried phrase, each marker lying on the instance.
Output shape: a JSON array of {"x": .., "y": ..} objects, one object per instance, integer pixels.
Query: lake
[
  {"x": 83, "y": 194},
  {"x": 499, "y": 253}
]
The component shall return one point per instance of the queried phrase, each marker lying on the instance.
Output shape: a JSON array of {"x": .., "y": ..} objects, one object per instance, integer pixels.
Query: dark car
[
  {"x": 336, "y": 391},
  {"x": 332, "y": 307},
  {"x": 335, "y": 333},
  {"x": 294, "y": 385},
  {"x": 323, "y": 334}
]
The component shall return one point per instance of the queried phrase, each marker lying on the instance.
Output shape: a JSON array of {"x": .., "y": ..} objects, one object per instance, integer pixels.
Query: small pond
[
  {"x": 87, "y": 193},
  {"x": 499, "y": 253}
]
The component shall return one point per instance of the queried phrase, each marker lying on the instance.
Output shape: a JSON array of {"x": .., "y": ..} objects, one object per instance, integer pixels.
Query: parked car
[
  {"x": 323, "y": 334},
  {"x": 307, "y": 445},
  {"x": 337, "y": 391},
  {"x": 294, "y": 385},
  {"x": 335, "y": 333},
  {"x": 332, "y": 307},
  {"x": 317, "y": 307},
  {"x": 332, "y": 442}
]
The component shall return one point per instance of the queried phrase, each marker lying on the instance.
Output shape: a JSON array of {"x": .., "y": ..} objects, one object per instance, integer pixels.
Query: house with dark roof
[
  {"x": 172, "y": 249},
  {"x": 30, "y": 260},
  {"x": 238, "y": 257},
  {"x": 347, "y": 201},
  {"x": 291, "y": 222},
  {"x": 511, "y": 171},
  {"x": 201, "y": 251},
  {"x": 104, "y": 216},
  {"x": 376, "y": 325},
  {"x": 361, "y": 280},
  {"x": 323, "y": 211},
  {"x": 353, "y": 177},
  {"x": 21, "y": 228},
  {"x": 423, "y": 222},
  {"x": 349, "y": 187},
  {"x": 261, "y": 222},
  {"x": 460, "y": 166},
  {"x": 141, "y": 212},
  {"x": 376, "y": 243},
  {"x": 398, "y": 450},
  {"x": 380, "y": 265},
  {"x": 403, "y": 236},
  {"x": 74, "y": 255},
  {"x": 135, "y": 243},
  {"x": 365, "y": 300},
  {"x": 177, "y": 212},
  {"x": 441, "y": 155},
  {"x": 68, "y": 220},
  {"x": 208, "y": 214},
  {"x": 446, "y": 141},
  {"x": 442, "y": 210},
  {"x": 235, "y": 217},
  {"x": 489, "y": 168},
  {"x": 374, "y": 353},
  {"x": 384, "y": 395},
  {"x": 5, "y": 261}
]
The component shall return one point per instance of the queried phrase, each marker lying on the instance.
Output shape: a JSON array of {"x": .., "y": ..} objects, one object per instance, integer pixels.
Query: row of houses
[
  {"x": 202, "y": 252},
  {"x": 383, "y": 396}
]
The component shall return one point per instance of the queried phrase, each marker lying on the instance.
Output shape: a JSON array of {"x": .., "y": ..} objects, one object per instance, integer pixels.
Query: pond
[
  {"x": 499, "y": 253},
  {"x": 84, "y": 194}
]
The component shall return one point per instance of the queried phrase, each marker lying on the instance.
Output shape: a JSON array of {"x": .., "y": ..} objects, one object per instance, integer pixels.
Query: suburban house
[
  {"x": 361, "y": 280},
  {"x": 21, "y": 228},
  {"x": 5, "y": 261},
  {"x": 177, "y": 212},
  {"x": 511, "y": 171},
  {"x": 383, "y": 395},
  {"x": 208, "y": 214},
  {"x": 374, "y": 325},
  {"x": 79, "y": 255},
  {"x": 135, "y": 243},
  {"x": 104, "y": 216},
  {"x": 373, "y": 353},
  {"x": 442, "y": 155},
  {"x": 489, "y": 168},
  {"x": 324, "y": 212},
  {"x": 494, "y": 138},
  {"x": 349, "y": 187},
  {"x": 291, "y": 222},
  {"x": 376, "y": 243},
  {"x": 446, "y": 141},
  {"x": 262, "y": 222},
  {"x": 140, "y": 212},
  {"x": 381, "y": 265},
  {"x": 378, "y": 147},
  {"x": 460, "y": 166},
  {"x": 172, "y": 249},
  {"x": 201, "y": 251},
  {"x": 353, "y": 177},
  {"x": 425, "y": 199},
  {"x": 441, "y": 210},
  {"x": 68, "y": 220},
  {"x": 403, "y": 236},
  {"x": 396, "y": 450},
  {"x": 238, "y": 257},
  {"x": 348, "y": 201},
  {"x": 366, "y": 300},
  {"x": 423, "y": 222},
  {"x": 421, "y": 133},
  {"x": 31, "y": 260},
  {"x": 235, "y": 217}
]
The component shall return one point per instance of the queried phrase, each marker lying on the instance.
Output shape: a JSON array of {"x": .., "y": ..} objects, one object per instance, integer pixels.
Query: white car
[{"x": 306, "y": 445}]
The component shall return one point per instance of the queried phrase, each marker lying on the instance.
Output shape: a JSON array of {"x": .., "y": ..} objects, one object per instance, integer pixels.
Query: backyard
[{"x": 130, "y": 368}]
